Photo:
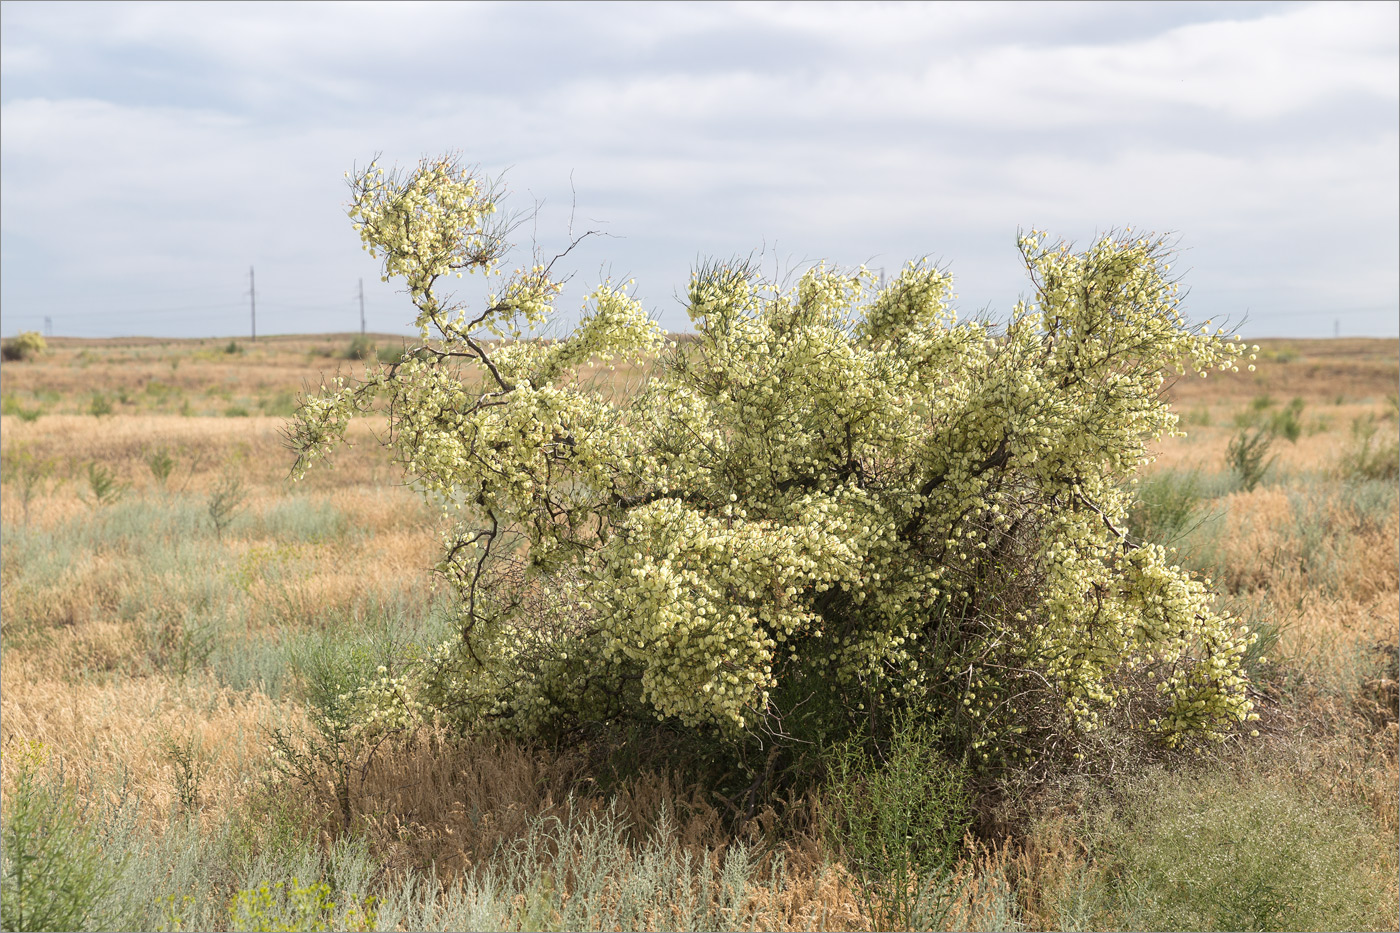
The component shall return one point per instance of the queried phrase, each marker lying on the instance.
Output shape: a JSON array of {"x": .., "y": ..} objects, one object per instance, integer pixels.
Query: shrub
[
  {"x": 835, "y": 485},
  {"x": 1287, "y": 423},
  {"x": 1367, "y": 457},
  {"x": 25, "y": 345},
  {"x": 899, "y": 816},
  {"x": 100, "y": 405},
  {"x": 361, "y": 348},
  {"x": 104, "y": 485},
  {"x": 1246, "y": 456},
  {"x": 161, "y": 464},
  {"x": 225, "y": 502},
  {"x": 56, "y": 876}
]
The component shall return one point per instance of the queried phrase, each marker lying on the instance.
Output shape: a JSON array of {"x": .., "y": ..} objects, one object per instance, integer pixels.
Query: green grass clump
[
  {"x": 1165, "y": 506},
  {"x": 1239, "y": 851}
]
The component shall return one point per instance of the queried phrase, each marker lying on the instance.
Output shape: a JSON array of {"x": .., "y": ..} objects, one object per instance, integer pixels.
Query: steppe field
[{"x": 177, "y": 617}]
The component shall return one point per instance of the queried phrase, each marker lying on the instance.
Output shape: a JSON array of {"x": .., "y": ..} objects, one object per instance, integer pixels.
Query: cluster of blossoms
[{"x": 838, "y": 481}]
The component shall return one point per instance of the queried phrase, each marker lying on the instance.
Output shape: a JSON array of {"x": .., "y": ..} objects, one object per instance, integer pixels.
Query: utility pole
[
  {"x": 1336, "y": 327},
  {"x": 253, "y": 299},
  {"x": 48, "y": 326},
  {"x": 362, "y": 307}
]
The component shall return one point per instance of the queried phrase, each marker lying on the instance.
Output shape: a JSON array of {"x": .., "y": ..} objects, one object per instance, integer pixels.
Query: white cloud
[{"x": 183, "y": 142}]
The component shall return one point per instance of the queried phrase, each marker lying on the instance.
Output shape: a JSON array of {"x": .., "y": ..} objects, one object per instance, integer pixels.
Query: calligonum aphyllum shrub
[{"x": 834, "y": 486}]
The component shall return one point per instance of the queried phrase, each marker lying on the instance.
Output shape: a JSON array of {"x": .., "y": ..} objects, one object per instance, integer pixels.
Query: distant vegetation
[{"x": 23, "y": 346}]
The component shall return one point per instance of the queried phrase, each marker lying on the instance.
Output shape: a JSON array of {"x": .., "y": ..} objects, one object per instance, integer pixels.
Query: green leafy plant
[
  {"x": 233, "y": 348},
  {"x": 296, "y": 905},
  {"x": 99, "y": 405},
  {"x": 56, "y": 875},
  {"x": 1287, "y": 422},
  {"x": 899, "y": 820},
  {"x": 103, "y": 485},
  {"x": 25, "y": 345},
  {"x": 1248, "y": 455},
  {"x": 161, "y": 463},
  {"x": 1368, "y": 457},
  {"x": 834, "y": 481}
]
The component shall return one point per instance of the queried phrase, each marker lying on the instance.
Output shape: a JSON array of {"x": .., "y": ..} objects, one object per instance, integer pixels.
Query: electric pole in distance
[
  {"x": 362, "y": 307},
  {"x": 253, "y": 299}
]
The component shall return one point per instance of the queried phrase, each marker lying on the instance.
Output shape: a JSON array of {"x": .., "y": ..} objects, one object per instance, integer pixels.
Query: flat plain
[{"x": 176, "y": 616}]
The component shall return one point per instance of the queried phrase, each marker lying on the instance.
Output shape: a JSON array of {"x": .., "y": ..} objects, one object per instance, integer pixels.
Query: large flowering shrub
[{"x": 836, "y": 491}]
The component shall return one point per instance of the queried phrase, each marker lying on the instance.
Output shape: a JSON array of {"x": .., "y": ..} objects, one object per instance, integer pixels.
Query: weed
[
  {"x": 1164, "y": 506},
  {"x": 100, "y": 405},
  {"x": 1287, "y": 422},
  {"x": 361, "y": 348},
  {"x": 20, "y": 467},
  {"x": 1225, "y": 852},
  {"x": 9, "y": 405},
  {"x": 283, "y": 404},
  {"x": 56, "y": 875},
  {"x": 1246, "y": 456},
  {"x": 103, "y": 485},
  {"x": 161, "y": 464},
  {"x": 187, "y": 761},
  {"x": 235, "y": 411},
  {"x": 177, "y": 646},
  {"x": 225, "y": 502},
  {"x": 297, "y": 906},
  {"x": 233, "y": 348},
  {"x": 1367, "y": 457},
  {"x": 900, "y": 822}
]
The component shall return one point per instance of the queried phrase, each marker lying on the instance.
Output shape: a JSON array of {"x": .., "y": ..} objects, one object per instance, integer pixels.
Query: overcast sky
[{"x": 152, "y": 153}]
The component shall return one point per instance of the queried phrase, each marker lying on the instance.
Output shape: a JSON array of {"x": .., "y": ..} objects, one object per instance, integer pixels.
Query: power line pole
[
  {"x": 362, "y": 307},
  {"x": 253, "y": 300},
  {"x": 48, "y": 326}
]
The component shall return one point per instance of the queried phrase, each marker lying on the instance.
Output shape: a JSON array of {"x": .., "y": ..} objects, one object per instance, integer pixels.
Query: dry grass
[{"x": 123, "y": 734}]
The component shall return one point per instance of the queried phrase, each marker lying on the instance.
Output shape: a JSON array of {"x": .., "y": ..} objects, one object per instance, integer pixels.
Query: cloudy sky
[{"x": 152, "y": 153}]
